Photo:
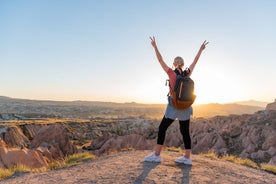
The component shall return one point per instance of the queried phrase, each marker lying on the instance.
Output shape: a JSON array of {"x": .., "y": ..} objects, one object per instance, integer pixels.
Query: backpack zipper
[{"x": 180, "y": 92}]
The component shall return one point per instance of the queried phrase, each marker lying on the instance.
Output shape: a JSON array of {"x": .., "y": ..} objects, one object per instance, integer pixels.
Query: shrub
[
  {"x": 4, "y": 173},
  {"x": 210, "y": 154},
  {"x": 79, "y": 157},
  {"x": 268, "y": 168},
  {"x": 69, "y": 161},
  {"x": 173, "y": 149},
  {"x": 241, "y": 161}
]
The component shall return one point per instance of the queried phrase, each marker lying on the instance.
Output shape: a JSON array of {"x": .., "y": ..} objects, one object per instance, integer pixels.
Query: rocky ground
[
  {"x": 128, "y": 167},
  {"x": 26, "y": 142}
]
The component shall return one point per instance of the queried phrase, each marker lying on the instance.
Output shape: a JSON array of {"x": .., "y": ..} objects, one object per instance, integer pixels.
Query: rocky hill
[
  {"x": 247, "y": 136},
  {"x": 128, "y": 167}
]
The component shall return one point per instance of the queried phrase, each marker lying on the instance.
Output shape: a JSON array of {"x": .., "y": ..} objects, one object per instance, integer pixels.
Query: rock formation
[
  {"x": 54, "y": 142},
  {"x": 271, "y": 106},
  {"x": 134, "y": 141},
  {"x": 248, "y": 136},
  {"x": 9, "y": 157},
  {"x": 14, "y": 137},
  {"x": 45, "y": 143}
]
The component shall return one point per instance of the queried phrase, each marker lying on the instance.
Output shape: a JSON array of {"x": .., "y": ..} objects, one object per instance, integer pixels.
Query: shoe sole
[
  {"x": 182, "y": 163},
  {"x": 152, "y": 161}
]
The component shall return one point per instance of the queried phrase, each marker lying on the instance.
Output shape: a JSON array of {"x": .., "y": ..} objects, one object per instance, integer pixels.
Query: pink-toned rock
[
  {"x": 98, "y": 143},
  {"x": 259, "y": 155},
  {"x": 50, "y": 151},
  {"x": 272, "y": 161},
  {"x": 128, "y": 141},
  {"x": 270, "y": 139},
  {"x": 56, "y": 140},
  {"x": 14, "y": 137},
  {"x": 15, "y": 156},
  {"x": 244, "y": 154},
  {"x": 30, "y": 130},
  {"x": 251, "y": 148},
  {"x": 254, "y": 134},
  {"x": 45, "y": 152},
  {"x": 173, "y": 137},
  {"x": 271, "y": 106},
  {"x": 173, "y": 141},
  {"x": 219, "y": 144},
  {"x": 208, "y": 141},
  {"x": 250, "y": 136},
  {"x": 272, "y": 151},
  {"x": 246, "y": 141}
]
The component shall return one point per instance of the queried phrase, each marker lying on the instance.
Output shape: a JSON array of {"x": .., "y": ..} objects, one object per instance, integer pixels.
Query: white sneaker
[
  {"x": 183, "y": 160},
  {"x": 152, "y": 158}
]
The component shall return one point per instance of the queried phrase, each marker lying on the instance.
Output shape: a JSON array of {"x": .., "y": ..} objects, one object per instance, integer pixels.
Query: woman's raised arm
[
  {"x": 202, "y": 47},
  {"x": 159, "y": 57}
]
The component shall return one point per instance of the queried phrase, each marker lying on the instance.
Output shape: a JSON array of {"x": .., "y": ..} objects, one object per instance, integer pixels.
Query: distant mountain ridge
[
  {"x": 252, "y": 103},
  {"x": 248, "y": 102},
  {"x": 213, "y": 109},
  {"x": 88, "y": 109}
]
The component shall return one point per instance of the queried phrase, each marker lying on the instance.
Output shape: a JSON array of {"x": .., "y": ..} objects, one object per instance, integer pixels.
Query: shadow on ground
[{"x": 147, "y": 167}]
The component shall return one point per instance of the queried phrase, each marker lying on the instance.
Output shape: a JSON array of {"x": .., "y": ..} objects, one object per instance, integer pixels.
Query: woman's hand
[
  {"x": 203, "y": 46},
  {"x": 153, "y": 43}
]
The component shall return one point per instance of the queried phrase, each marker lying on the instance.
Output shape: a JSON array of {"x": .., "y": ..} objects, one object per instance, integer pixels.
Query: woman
[{"x": 171, "y": 113}]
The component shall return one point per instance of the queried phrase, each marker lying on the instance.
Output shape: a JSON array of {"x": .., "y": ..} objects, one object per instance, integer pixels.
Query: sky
[{"x": 99, "y": 50}]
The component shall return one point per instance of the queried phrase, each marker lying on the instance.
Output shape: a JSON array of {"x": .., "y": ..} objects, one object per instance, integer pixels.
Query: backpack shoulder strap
[
  {"x": 178, "y": 72},
  {"x": 186, "y": 72}
]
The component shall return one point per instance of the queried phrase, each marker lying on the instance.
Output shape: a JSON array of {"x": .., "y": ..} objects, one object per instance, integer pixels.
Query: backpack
[{"x": 183, "y": 93}]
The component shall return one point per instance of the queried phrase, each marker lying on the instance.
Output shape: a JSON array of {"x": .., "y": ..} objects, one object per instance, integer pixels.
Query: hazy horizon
[
  {"x": 70, "y": 50},
  {"x": 244, "y": 102}
]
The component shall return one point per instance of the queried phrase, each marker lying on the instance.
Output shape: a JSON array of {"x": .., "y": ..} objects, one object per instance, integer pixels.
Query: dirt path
[{"x": 128, "y": 167}]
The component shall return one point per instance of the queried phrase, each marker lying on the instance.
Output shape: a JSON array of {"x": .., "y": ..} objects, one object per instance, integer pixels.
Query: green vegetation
[
  {"x": 79, "y": 157},
  {"x": 242, "y": 161},
  {"x": 119, "y": 131},
  {"x": 67, "y": 162},
  {"x": 71, "y": 160}
]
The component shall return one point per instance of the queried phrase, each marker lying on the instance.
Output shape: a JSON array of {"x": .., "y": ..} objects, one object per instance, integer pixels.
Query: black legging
[{"x": 184, "y": 129}]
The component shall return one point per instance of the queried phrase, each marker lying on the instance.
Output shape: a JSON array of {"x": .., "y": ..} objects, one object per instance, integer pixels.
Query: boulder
[
  {"x": 55, "y": 140},
  {"x": 30, "y": 130},
  {"x": 271, "y": 106},
  {"x": 220, "y": 144},
  {"x": 270, "y": 139},
  {"x": 15, "y": 156},
  {"x": 14, "y": 137},
  {"x": 272, "y": 161},
  {"x": 205, "y": 144},
  {"x": 244, "y": 154},
  {"x": 272, "y": 151},
  {"x": 128, "y": 141},
  {"x": 98, "y": 143},
  {"x": 173, "y": 137}
]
